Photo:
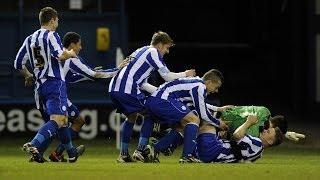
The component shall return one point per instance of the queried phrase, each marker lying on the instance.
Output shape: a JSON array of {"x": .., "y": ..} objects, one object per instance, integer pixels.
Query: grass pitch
[{"x": 289, "y": 161}]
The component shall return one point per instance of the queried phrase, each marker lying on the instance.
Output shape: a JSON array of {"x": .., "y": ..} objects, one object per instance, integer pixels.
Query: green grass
[{"x": 98, "y": 162}]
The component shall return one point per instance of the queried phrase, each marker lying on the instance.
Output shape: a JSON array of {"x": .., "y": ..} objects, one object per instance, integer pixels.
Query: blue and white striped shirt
[
  {"x": 76, "y": 70},
  {"x": 251, "y": 150},
  {"x": 188, "y": 102},
  {"x": 42, "y": 49},
  {"x": 188, "y": 88},
  {"x": 130, "y": 78}
]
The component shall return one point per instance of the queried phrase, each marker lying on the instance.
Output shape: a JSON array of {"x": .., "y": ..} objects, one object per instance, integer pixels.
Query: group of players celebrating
[{"x": 207, "y": 133}]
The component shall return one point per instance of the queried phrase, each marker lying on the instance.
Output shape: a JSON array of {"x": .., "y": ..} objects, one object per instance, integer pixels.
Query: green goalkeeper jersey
[{"x": 237, "y": 116}]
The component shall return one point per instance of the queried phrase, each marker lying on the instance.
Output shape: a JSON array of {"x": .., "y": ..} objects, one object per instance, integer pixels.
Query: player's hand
[
  {"x": 28, "y": 81},
  {"x": 251, "y": 119},
  {"x": 190, "y": 73},
  {"x": 123, "y": 63},
  {"x": 72, "y": 53},
  {"x": 223, "y": 126},
  {"x": 225, "y": 108},
  {"x": 223, "y": 134},
  {"x": 293, "y": 136},
  {"x": 100, "y": 75}
]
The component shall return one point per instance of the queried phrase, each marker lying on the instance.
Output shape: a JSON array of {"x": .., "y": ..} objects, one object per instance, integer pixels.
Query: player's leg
[
  {"x": 172, "y": 112},
  {"x": 208, "y": 144},
  {"x": 44, "y": 146},
  {"x": 64, "y": 135},
  {"x": 166, "y": 145},
  {"x": 125, "y": 136},
  {"x": 145, "y": 133},
  {"x": 191, "y": 125},
  {"x": 170, "y": 141},
  {"x": 130, "y": 106},
  {"x": 49, "y": 94},
  {"x": 53, "y": 93},
  {"x": 76, "y": 124}
]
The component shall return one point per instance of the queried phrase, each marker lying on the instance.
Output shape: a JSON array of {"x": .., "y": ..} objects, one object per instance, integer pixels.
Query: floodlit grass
[{"x": 99, "y": 162}]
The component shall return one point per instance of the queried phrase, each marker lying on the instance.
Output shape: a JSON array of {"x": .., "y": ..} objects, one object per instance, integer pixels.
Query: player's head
[
  {"x": 49, "y": 17},
  {"x": 213, "y": 80},
  {"x": 72, "y": 40},
  {"x": 162, "y": 41},
  {"x": 271, "y": 137},
  {"x": 280, "y": 122}
]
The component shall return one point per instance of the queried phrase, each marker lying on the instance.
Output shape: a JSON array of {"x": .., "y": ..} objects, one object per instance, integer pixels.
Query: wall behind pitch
[
  {"x": 25, "y": 120},
  {"x": 85, "y": 24}
]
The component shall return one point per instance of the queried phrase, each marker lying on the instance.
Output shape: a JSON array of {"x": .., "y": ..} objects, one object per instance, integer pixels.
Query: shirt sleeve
[
  {"x": 75, "y": 78},
  {"x": 21, "y": 57},
  {"x": 212, "y": 107},
  {"x": 155, "y": 60},
  {"x": 198, "y": 95},
  {"x": 109, "y": 73},
  {"x": 251, "y": 147},
  {"x": 78, "y": 67},
  {"x": 148, "y": 87},
  {"x": 56, "y": 48},
  {"x": 170, "y": 76}
]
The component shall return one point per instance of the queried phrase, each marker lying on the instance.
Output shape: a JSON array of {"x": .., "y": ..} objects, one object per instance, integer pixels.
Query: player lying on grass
[
  {"x": 241, "y": 147},
  {"x": 236, "y": 116}
]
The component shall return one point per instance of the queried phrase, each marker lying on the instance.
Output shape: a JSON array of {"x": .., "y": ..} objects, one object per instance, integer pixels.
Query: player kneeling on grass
[
  {"x": 242, "y": 147},
  {"x": 165, "y": 105}
]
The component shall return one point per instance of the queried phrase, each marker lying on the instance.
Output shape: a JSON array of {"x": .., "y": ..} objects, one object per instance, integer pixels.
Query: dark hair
[
  {"x": 278, "y": 137},
  {"x": 213, "y": 75},
  {"x": 70, "y": 37},
  {"x": 161, "y": 37},
  {"x": 280, "y": 122},
  {"x": 46, "y": 14}
]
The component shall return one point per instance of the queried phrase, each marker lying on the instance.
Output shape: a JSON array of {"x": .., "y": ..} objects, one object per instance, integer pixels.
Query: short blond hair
[
  {"x": 46, "y": 14},
  {"x": 161, "y": 37},
  {"x": 213, "y": 75}
]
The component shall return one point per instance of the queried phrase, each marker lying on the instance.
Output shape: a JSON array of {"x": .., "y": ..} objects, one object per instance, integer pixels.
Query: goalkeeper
[{"x": 235, "y": 116}]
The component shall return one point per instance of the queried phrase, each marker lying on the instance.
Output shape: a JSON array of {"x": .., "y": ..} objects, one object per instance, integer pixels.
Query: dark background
[{"x": 264, "y": 48}]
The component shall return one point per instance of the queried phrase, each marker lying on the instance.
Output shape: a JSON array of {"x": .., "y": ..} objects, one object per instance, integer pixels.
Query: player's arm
[
  {"x": 156, "y": 61},
  {"x": 21, "y": 57},
  {"x": 170, "y": 76},
  {"x": 28, "y": 77},
  {"x": 75, "y": 78},
  {"x": 67, "y": 54},
  {"x": 56, "y": 48},
  {"x": 148, "y": 87},
  {"x": 123, "y": 64},
  {"x": 219, "y": 109},
  {"x": 198, "y": 95},
  {"x": 79, "y": 67},
  {"x": 241, "y": 131},
  {"x": 20, "y": 62}
]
